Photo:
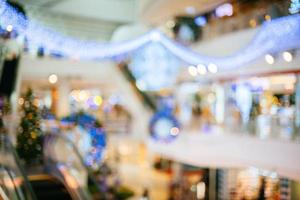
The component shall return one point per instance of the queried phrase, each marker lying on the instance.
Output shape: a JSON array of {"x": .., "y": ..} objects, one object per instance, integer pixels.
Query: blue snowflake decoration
[
  {"x": 164, "y": 126},
  {"x": 154, "y": 67}
]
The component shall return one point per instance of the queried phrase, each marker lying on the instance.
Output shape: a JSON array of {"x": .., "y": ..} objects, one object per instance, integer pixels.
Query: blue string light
[{"x": 274, "y": 36}]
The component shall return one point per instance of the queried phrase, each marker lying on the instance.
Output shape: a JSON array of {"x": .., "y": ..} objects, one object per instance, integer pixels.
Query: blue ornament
[
  {"x": 97, "y": 134},
  {"x": 164, "y": 126}
]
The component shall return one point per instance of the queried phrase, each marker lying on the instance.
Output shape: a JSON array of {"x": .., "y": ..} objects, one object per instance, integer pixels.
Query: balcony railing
[{"x": 252, "y": 18}]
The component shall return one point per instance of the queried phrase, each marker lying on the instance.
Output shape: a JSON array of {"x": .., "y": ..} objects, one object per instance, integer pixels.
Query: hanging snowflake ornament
[{"x": 154, "y": 67}]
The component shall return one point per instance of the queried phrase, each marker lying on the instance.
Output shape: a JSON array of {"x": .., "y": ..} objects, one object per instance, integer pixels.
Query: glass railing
[
  {"x": 262, "y": 126},
  {"x": 14, "y": 184},
  {"x": 266, "y": 126},
  {"x": 63, "y": 160}
]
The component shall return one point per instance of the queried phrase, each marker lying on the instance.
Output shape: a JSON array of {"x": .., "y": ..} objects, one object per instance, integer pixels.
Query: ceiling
[
  {"x": 95, "y": 20},
  {"x": 159, "y": 11},
  {"x": 98, "y": 19}
]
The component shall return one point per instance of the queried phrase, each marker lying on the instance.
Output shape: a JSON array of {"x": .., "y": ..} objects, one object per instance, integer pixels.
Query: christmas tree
[{"x": 29, "y": 140}]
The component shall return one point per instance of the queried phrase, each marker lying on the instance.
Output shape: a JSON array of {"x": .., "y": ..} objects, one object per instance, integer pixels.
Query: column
[
  {"x": 177, "y": 171},
  {"x": 226, "y": 183},
  {"x": 229, "y": 121},
  {"x": 14, "y": 105},
  {"x": 297, "y": 108},
  {"x": 212, "y": 184},
  {"x": 285, "y": 189},
  {"x": 62, "y": 102},
  {"x": 220, "y": 104},
  {"x": 54, "y": 99}
]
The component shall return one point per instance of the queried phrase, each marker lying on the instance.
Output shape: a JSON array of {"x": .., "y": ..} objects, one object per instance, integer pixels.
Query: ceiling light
[
  {"x": 192, "y": 70},
  {"x": 141, "y": 85},
  {"x": 224, "y": 10},
  {"x": 170, "y": 24},
  {"x": 97, "y": 100},
  {"x": 190, "y": 10},
  {"x": 155, "y": 36},
  {"x": 174, "y": 131},
  {"x": 287, "y": 56},
  {"x": 21, "y": 101},
  {"x": 9, "y": 28},
  {"x": 201, "y": 69},
  {"x": 289, "y": 86},
  {"x": 268, "y": 18},
  {"x": 269, "y": 59},
  {"x": 200, "y": 21},
  {"x": 52, "y": 78},
  {"x": 212, "y": 68},
  {"x": 253, "y": 23},
  {"x": 83, "y": 95}
]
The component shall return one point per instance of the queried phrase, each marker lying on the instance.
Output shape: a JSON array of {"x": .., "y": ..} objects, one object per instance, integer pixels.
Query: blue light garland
[{"x": 274, "y": 36}]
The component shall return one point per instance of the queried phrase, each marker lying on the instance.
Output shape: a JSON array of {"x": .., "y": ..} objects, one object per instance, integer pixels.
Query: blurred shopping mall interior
[{"x": 149, "y": 99}]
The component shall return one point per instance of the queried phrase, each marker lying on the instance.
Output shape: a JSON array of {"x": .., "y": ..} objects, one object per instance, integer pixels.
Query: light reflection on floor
[{"x": 136, "y": 172}]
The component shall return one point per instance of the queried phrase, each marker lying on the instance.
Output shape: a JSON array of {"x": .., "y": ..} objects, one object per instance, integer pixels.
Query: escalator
[
  {"x": 60, "y": 178},
  {"x": 49, "y": 188},
  {"x": 14, "y": 184},
  {"x": 63, "y": 161}
]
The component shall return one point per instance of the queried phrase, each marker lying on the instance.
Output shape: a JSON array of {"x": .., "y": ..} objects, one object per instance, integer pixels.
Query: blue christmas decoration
[
  {"x": 154, "y": 62},
  {"x": 96, "y": 132},
  {"x": 164, "y": 126},
  {"x": 278, "y": 35},
  {"x": 47, "y": 114},
  {"x": 295, "y": 6},
  {"x": 98, "y": 143}
]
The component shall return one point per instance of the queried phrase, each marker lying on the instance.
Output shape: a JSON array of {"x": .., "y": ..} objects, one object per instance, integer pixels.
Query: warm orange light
[
  {"x": 70, "y": 180},
  {"x": 268, "y": 18},
  {"x": 174, "y": 131},
  {"x": 253, "y": 23},
  {"x": 16, "y": 182},
  {"x": 52, "y": 78}
]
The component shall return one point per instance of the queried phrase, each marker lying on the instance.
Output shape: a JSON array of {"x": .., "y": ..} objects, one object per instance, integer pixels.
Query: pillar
[
  {"x": 220, "y": 103},
  {"x": 14, "y": 105},
  {"x": 212, "y": 184},
  {"x": 295, "y": 190},
  {"x": 229, "y": 120},
  {"x": 62, "y": 104},
  {"x": 177, "y": 171},
  {"x": 226, "y": 183},
  {"x": 297, "y": 108},
  {"x": 285, "y": 189},
  {"x": 54, "y": 99}
]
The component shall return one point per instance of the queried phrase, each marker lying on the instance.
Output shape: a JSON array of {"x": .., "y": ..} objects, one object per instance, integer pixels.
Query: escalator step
[
  {"x": 50, "y": 190},
  {"x": 53, "y": 195},
  {"x": 45, "y": 185}
]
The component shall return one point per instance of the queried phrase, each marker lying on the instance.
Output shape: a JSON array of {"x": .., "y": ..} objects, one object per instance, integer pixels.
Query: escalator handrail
[
  {"x": 4, "y": 138},
  {"x": 3, "y": 195},
  {"x": 87, "y": 169}
]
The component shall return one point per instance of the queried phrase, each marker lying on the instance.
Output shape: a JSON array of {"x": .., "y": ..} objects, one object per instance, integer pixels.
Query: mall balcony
[{"x": 144, "y": 99}]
